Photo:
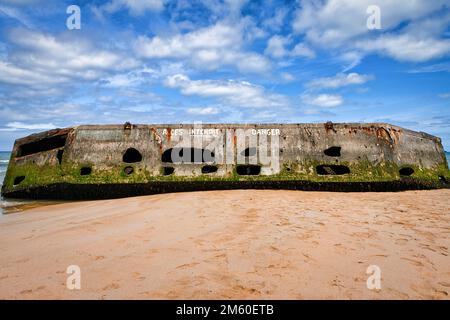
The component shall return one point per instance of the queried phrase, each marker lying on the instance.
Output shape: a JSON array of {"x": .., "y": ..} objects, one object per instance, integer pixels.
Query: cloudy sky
[{"x": 232, "y": 61}]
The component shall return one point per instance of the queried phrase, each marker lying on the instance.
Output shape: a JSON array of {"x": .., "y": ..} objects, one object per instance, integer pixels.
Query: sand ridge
[{"x": 237, "y": 244}]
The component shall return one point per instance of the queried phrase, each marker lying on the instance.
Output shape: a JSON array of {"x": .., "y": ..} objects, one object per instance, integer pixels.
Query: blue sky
[{"x": 236, "y": 61}]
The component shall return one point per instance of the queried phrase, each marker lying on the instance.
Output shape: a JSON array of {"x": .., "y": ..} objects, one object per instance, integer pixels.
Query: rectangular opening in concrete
[
  {"x": 333, "y": 151},
  {"x": 18, "y": 180},
  {"x": 42, "y": 145},
  {"x": 209, "y": 169},
  {"x": 187, "y": 155},
  {"x": 85, "y": 171},
  {"x": 167, "y": 171},
  {"x": 332, "y": 169},
  {"x": 248, "y": 170},
  {"x": 406, "y": 171}
]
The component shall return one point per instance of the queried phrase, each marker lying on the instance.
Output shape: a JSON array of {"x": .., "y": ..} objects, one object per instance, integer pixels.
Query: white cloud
[
  {"x": 12, "y": 74},
  {"x": 235, "y": 93},
  {"x": 419, "y": 41},
  {"x": 301, "y": 50},
  {"x": 206, "y": 48},
  {"x": 16, "y": 14},
  {"x": 206, "y": 40},
  {"x": 439, "y": 67},
  {"x": 203, "y": 111},
  {"x": 351, "y": 59},
  {"x": 135, "y": 7},
  {"x": 339, "y": 80},
  {"x": 407, "y": 47},
  {"x": 335, "y": 21},
  {"x": 36, "y": 126},
  {"x": 41, "y": 59},
  {"x": 286, "y": 76},
  {"x": 276, "y": 47},
  {"x": 323, "y": 100},
  {"x": 131, "y": 79},
  {"x": 277, "y": 20},
  {"x": 341, "y": 24}
]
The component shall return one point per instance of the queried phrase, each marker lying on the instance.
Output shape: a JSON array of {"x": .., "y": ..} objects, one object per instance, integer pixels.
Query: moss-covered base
[{"x": 107, "y": 191}]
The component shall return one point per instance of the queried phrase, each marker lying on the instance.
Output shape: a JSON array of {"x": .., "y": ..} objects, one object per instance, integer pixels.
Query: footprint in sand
[
  {"x": 32, "y": 290},
  {"x": 401, "y": 242},
  {"x": 187, "y": 265},
  {"x": 416, "y": 263},
  {"x": 138, "y": 276},
  {"x": 112, "y": 286}
]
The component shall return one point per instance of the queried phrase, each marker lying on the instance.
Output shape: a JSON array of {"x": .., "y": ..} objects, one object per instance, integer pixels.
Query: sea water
[
  {"x": 4, "y": 160},
  {"x": 7, "y": 203}
]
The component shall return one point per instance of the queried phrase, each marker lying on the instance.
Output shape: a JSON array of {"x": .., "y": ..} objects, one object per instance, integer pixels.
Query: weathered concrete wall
[{"x": 316, "y": 153}]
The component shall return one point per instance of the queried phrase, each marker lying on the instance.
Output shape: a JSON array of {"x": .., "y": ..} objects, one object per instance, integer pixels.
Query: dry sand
[{"x": 242, "y": 244}]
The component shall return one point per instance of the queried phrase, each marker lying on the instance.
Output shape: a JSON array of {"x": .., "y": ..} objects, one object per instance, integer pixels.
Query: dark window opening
[
  {"x": 248, "y": 170},
  {"x": 187, "y": 155},
  {"x": 167, "y": 171},
  {"x": 132, "y": 156},
  {"x": 332, "y": 169},
  {"x": 127, "y": 126},
  {"x": 406, "y": 171},
  {"x": 85, "y": 171},
  {"x": 249, "y": 152},
  {"x": 333, "y": 152},
  {"x": 18, "y": 180},
  {"x": 128, "y": 170},
  {"x": 209, "y": 169},
  {"x": 45, "y": 144},
  {"x": 59, "y": 156}
]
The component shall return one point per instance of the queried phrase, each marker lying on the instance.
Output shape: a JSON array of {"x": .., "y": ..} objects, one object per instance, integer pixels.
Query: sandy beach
[{"x": 241, "y": 244}]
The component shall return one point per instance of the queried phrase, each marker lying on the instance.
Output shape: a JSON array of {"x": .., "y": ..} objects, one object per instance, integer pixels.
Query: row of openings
[
  {"x": 192, "y": 155},
  {"x": 85, "y": 171},
  {"x": 241, "y": 170},
  {"x": 132, "y": 155},
  {"x": 187, "y": 155},
  {"x": 325, "y": 169},
  {"x": 196, "y": 155},
  {"x": 244, "y": 170},
  {"x": 182, "y": 155},
  {"x": 341, "y": 169}
]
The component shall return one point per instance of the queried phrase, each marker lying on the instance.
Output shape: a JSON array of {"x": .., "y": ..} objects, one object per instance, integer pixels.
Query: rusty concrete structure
[{"x": 107, "y": 161}]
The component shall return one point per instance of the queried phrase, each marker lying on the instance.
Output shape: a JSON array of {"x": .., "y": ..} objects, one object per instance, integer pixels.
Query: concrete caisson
[{"x": 105, "y": 161}]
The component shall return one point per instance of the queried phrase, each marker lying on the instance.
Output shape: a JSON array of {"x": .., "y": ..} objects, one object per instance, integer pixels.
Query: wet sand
[
  {"x": 19, "y": 205},
  {"x": 240, "y": 244}
]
